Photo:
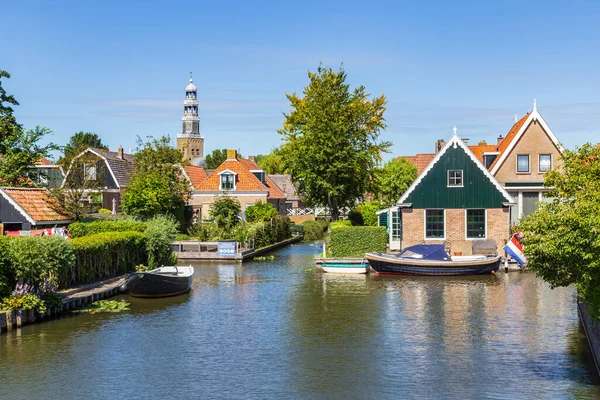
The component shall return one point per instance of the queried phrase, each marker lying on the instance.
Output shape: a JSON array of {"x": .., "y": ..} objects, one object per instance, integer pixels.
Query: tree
[
  {"x": 261, "y": 212},
  {"x": 216, "y": 158},
  {"x": 274, "y": 162},
  {"x": 331, "y": 138},
  {"x": 19, "y": 148},
  {"x": 78, "y": 143},
  {"x": 393, "y": 180},
  {"x": 225, "y": 212},
  {"x": 157, "y": 185},
  {"x": 562, "y": 238}
]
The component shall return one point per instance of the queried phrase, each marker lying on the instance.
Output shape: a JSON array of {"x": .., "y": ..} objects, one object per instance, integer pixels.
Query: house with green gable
[{"x": 454, "y": 201}]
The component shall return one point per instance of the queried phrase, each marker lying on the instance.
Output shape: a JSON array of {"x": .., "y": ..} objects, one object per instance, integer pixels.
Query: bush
[
  {"x": 355, "y": 241},
  {"x": 267, "y": 233},
  {"x": 7, "y": 272},
  {"x": 355, "y": 218},
  {"x": 160, "y": 232},
  {"x": 204, "y": 231},
  {"x": 323, "y": 223},
  {"x": 313, "y": 230},
  {"x": 23, "y": 302},
  {"x": 225, "y": 212},
  {"x": 341, "y": 222},
  {"x": 369, "y": 212},
  {"x": 261, "y": 212},
  {"x": 104, "y": 255},
  {"x": 80, "y": 229},
  {"x": 104, "y": 211}
]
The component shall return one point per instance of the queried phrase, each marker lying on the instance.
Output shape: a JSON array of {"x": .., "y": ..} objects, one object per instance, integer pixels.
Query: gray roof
[
  {"x": 284, "y": 182},
  {"x": 122, "y": 169}
]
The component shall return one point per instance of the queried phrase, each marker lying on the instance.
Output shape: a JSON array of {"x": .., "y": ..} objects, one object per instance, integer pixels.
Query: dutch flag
[{"x": 514, "y": 249}]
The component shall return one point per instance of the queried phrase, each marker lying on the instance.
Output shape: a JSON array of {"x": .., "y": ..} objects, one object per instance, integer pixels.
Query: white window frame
[
  {"x": 528, "y": 164},
  {"x": 425, "y": 223},
  {"x": 485, "y": 211},
  {"x": 540, "y": 164},
  {"x": 89, "y": 171},
  {"x": 227, "y": 172},
  {"x": 462, "y": 178}
]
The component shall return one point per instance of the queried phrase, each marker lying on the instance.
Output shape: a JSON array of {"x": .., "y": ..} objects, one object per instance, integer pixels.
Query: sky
[{"x": 120, "y": 68}]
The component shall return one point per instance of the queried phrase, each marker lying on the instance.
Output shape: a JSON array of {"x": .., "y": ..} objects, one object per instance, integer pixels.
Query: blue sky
[{"x": 119, "y": 68}]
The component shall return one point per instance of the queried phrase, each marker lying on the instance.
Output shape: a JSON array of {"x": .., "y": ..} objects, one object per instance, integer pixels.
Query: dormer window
[
  {"x": 455, "y": 178},
  {"x": 260, "y": 175},
  {"x": 227, "y": 180},
  {"x": 89, "y": 171}
]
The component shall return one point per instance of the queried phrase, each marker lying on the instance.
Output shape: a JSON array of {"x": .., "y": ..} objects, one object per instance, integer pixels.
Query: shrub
[
  {"x": 160, "y": 232},
  {"x": 313, "y": 230},
  {"x": 80, "y": 229},
  {"x": 225, "y": 212},
  {"x": 355, "y": 218},
  {"x": 323, "y": 223},
  {"x": 104, "y": 255},
  {"x": 7, "y": 272},
  {"x": 23, "y": 302},
  {"x": 355, "y": 241},
  {"x": 104, "y": 211},
  {"x": 267, "y": 233},
  {"x": 204, "y": 231},
  {"x": 341, "y": 222},
  {"x": 369, "y": 212},
  {"x": 261, "y": 212}
]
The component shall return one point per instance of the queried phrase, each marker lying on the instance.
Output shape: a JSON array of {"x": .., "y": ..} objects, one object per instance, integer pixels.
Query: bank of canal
[{"x": 278, "y": 329}]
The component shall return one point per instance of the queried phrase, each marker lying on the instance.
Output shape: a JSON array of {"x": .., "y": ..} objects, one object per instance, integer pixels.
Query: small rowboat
[
  {"x": 432, "y": 259},
  {"x": 160, "y": 282},
  {"x": 343, "y": 265}
]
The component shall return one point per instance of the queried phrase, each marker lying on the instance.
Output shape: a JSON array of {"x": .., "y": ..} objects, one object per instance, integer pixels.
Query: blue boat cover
[{"x": 425, "y": 252}]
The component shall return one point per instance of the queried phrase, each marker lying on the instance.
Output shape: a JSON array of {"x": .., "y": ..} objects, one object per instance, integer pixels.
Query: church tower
[{"x": 189, "y": 141}]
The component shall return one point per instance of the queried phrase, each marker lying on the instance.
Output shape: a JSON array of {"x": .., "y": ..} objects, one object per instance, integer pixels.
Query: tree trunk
[{"x": 333, "y": 207}]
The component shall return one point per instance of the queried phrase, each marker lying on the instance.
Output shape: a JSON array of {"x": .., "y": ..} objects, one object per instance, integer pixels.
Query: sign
[{"x": 227, "y": 249}]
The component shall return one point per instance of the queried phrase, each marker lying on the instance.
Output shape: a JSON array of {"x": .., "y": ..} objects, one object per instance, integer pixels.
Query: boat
[
  {"x": 432, "y": 259},
  {"x": 160, "y": 282},
  {"x": 343, "y": 265}
]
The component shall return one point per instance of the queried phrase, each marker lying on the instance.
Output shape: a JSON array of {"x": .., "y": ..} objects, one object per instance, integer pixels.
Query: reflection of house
[
  {"x": 45, "y": 173},
  {"x": 239, "y": 178},
  {"x": 521, "y": 159},
  {"x": 27, "y": 208},
  {"x": 284, "y": 182},
  {"x": 454, "y": 199},
  {"x": 106, "y": 172}
]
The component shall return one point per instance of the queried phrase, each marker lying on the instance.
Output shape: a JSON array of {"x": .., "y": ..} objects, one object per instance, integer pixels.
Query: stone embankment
[{"x": 72, "y": 299}]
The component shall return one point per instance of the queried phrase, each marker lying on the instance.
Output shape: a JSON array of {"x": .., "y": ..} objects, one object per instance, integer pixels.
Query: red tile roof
[
  {"x": 246, "y": 181},
  {"x": 509, "y": 138},
  {"x": 37, "y": 203},
  {"x": 479, "y": 149},
  {"x": 421, "y": 161},
  {"x": 43, "y": 161},
  {"x": 196, "y": 174}
]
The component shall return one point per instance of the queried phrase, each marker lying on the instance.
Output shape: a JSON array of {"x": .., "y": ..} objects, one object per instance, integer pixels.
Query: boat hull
[
  {"x": 345, "y": 268},
  {"x": 399, "y": 266},
  {"x": 157, "y": 285}
]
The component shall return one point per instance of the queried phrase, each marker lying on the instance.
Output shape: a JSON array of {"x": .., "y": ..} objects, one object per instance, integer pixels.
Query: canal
[{"x": 278, "y": 329}]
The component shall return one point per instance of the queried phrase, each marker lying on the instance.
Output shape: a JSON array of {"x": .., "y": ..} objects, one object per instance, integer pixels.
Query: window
[
  {"x": 475, "y": 224},
  {"x": 89, "y": 171},
  {"x": 396, "y": 225},
  {"x": 227, "y": 181},
  {"x": 434, "y": 224},
  {"x": 455, "y": 177},
  {"x": 523, "y": 163},
  {"x": 260, "y": 175},
  {"x": 545, "y": 163},
  {"x": 488, "y": 159}
]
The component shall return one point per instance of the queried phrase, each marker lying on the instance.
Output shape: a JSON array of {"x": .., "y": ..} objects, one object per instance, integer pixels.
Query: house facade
[
  {"x": 239, "y": 178},
  {"x": 24, "y": 209},
  {"x": 454, "y": 201},
  {"x": 44, "y": 173},
  {"x": 520, "y": 161}
]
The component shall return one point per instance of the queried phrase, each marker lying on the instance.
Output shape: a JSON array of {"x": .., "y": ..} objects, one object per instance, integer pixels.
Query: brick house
[
  {"x": 240, "y": 178},
  {"x": 520, "y": 160},
  {"x": 455, "y": 200}
]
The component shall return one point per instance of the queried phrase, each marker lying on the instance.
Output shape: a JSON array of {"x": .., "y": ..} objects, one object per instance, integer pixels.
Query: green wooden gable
[{"x": 478, "y": 191}]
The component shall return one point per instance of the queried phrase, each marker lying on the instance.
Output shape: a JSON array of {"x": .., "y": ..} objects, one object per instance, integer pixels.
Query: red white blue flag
[{"x": 514, "y": 249}]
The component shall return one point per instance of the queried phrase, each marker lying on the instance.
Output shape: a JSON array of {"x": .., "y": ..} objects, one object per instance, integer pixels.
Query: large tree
[
  {"x": 78, "y": 143},
  {"x": 562, "y": 238},
  {"x": 19, "y": 148},
  {"x": 157, "y": 185},
  {"x": 331, "y": 139},
  {"x": 216, "y": 158},
  {"x": 393, "y": 180},
  {"x": 274, "y": 162}
]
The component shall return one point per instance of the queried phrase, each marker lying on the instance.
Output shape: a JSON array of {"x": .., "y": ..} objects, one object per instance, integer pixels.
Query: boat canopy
[{"x": 426, "y": 252}]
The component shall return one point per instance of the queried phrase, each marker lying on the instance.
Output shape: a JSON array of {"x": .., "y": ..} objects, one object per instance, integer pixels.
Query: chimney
[
  {"x": 482, "y": 143},
  {"x": 251, "y": 158},
  {"x": 231, "y": 155},
  {"x": 500, "y": 139},
  {"x": 439, "y": 145},
  {"x": 120, "y": 152}
]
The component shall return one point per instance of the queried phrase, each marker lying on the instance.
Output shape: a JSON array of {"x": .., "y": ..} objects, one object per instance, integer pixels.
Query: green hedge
[
  {"x": 313, "y": 230},
  {"x": 81, "y": 229},
  {"x": 274, "y": 231},
  {"x": 355, "y": 241},
  {"x": 105, "y": 255}
]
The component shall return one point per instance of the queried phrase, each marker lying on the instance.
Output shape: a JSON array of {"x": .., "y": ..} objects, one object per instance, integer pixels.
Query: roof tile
[{"x": 38, "y": 203}]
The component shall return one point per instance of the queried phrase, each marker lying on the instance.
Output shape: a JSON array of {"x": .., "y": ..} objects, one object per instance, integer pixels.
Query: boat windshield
[{"x": 426, "y": 252}]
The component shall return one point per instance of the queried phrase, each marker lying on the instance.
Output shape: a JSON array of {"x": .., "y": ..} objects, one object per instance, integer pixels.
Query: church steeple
[
  {"x": 191, "y": 121},
  {"x": 189, "y": 141}
]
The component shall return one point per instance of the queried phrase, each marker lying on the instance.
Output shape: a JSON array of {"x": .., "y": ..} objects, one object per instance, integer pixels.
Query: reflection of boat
[
  {"x": 343, "y": 265},
  {"x": 160, "y": 282},
  {"x": 431, "y": 259}
]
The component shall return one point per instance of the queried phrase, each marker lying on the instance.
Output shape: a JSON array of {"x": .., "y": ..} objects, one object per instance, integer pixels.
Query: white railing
[{"x": 316, "y": 211}]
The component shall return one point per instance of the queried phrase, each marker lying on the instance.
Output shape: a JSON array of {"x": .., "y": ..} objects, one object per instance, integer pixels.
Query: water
[{"x": 278, "y": 329}]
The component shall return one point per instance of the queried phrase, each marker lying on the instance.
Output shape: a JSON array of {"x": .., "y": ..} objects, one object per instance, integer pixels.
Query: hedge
[
  {"x": 313, "y": 230},
  {"x": 105, "y": 255},
  {"x": 81, "y": 229},
  {"x": 355, "y": 241},
  {"x": 274, "y": 231}
]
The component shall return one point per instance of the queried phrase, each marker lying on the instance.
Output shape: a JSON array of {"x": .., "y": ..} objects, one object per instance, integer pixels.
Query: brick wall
[{"x": 413, "y": 228}]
